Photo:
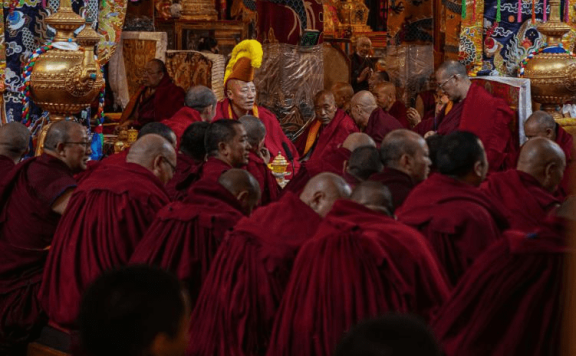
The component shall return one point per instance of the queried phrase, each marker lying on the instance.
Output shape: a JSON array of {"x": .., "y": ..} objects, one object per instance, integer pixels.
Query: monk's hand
[
  {"x": 364, "y": 74},
  {"x": 413, "y": 116},
  {"x": 264, "y": 154},
  {"x": 429, "y": 133}
]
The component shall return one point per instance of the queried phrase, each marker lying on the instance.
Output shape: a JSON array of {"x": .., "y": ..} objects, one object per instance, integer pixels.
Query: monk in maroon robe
[
  {"x": 363, "y": 163},
  {"x": 184, "y": 236},
  {"x": 157, "y": 100},
  {"x": 385, "y": 94},
  {"x": 106, "y": 218},
  {"x": 477, "y": 111},
  {"x": 542, "y": 124},
  {"x": 527, "y": 192},
  {"x": 333, "y": 162},
  {"x": 458, "y": 220},
  {"x": 259, "y": 159},
  {"x": 33, "y": 196},
  {"x": 199, "y": 105},
  {"x": 512, "y": 300},
  {"x": 242, "y": 292},
  {"x": 327, "y": 131},
  {"x": 406, "y": 161},
  {"x": 371, "y": 119},
  {"x": 14, "y": 144},
  {"x": 343, "y": 92},
  {"x": 361, "y": 263}
]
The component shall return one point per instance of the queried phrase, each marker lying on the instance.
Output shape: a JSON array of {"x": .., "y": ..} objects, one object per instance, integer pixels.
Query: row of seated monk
[{"x": 475, "y": 248}]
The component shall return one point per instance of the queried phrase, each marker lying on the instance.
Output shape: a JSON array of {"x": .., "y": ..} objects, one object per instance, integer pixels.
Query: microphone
[{"x": 289, "y": 155}]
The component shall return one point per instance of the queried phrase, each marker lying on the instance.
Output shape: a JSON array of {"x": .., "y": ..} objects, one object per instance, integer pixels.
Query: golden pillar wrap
[
  {"x": 2, "y": 68},
  {"x": 471, "y": 36}
]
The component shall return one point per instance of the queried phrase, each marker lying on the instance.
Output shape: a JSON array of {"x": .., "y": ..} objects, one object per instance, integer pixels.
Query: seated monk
[
  {"x": 33, "y": 196},
  {"x": 158, "y": 99},
  {"x": 327, "y": 131},
  {"x": 190, "y": 157},
  {"x": 107, "y": 217},
  {"x": 377, "y": 78},
  {"x": 542, "y": 124},
  {"x": 184, "y": 236},
  {"x": 238, "y": 302},
  {"x": 406, "y": 161},
  {"x": 199, "y": 105},
  {"x": 477, "y": 111},
  {"x": 371, "y": 119},
  {"x": 527, "y": 191},
  {"x": 343, "y": 92},
  {"x": 385, "y": 94},
  {"x": 363, "y": 162},
  {"x": 361, "y": 263},
  {"x": 259, "y": 159},
  {"x": 333, "y": 162},
  {"x": 512, "y": 301},
  {"x": 241, "y": 99},
  {"x": 14, "y": 144},
  {"x": 458, "y": 220}
]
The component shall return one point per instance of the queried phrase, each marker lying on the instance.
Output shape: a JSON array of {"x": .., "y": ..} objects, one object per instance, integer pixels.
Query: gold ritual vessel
[
  {"x": 125, "y": 139},
  {"x": 552, "y": 75},
  {"x": 67, "y": 78},
  {"x": 279, "y": 169}
]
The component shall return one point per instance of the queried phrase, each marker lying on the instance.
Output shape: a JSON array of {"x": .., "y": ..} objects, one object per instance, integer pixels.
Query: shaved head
[
  {"x": 59, "y": 132},
  {"x": 406, "y": 151},
  {"x": 362, "y": 105},
  {"x": 68, "y": 141},
  {"x": 357, "y": 139},
  {"x": 255, "y": 130},
  {"x": 364, "y": 161},
  {"x": 154, "y": 153},
  {"x": 385, "y": 94},
  {"x": 14, "y": 140},
  {"x": 544, "y": 160},
  {"x": 323, "y": 190},
  {"x": 343, "y": 92},
  {"x": 159, "y": 129},
  {"x": 375, "y": 196},
  {"x": 540, "y": 124},
  {"x": 243, "y": 186},
  {"x": 452, "y": 67},
  {"x": 365, "y": 99}
]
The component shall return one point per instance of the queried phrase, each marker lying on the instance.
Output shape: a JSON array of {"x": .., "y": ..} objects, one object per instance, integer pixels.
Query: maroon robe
[
  {"x": 268, "y": 184},
  {"x": 380, "y": 124},
  {"x": 332, "y": 162},
  {"x": 458, "y": 220},
  {"x": 400, "y": 113},
  {"x": 184, "y": 236},
  {"x": 329, "y": 137},
  {"x": 106, "y": 217},
  {"x": 27, "y": 225},
  {"x": 6, "y": 165},
  {"x": 511, "y": 301},
  {"x": 399, "y": 183},
  {"x": 180, "y": 121},
  {"x": 186, "y": 173},
  {"x": 429, "y": 100},
  {"x": 360, "y": 264},
  {"x": 274, "y": 134},
  {"x": 566, "y": 142},
  {"x": 527, "y": 203},
  {"x": 238, "y": 302},
  {"x": 213, "y": 168}
]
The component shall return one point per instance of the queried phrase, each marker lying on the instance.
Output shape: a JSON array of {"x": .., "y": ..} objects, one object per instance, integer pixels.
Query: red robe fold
[
  {"x": 27, "y": 226},
  {"x": 458, "y": 220},
  {"x": 399, "y": 183},
  {"x": 184, "y": 236},
  {"x": 186, "y": 173},
  {"x": 360, "y": 264},
  {"x": 566, "y": 142},
  {"x": 238, "y": 302},
  {"x": 106, "y": 218},
  {"x": 527, "y": 203},
  {"x": 400, "y": 113},
  {"x": 332, "y": 162},
  {"x": 274, "y": 134},
  {"x": 511, "y": 301},
  {"x": 6, "y": 165},
  {"x": 327, "y": 138},
  {"x": 429, "y": 100},
  {"x": 268, "y": 185},
  {"x": 213, "y": 168},
  {"x": 380, "y": 124},
  {"x": 180, "y": 121}
]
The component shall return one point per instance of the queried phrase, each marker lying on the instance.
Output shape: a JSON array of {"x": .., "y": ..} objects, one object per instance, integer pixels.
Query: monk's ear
[
  {"x": 478, "y": 168},
  {"x": 316, "y": 202},
  {"x": 345, "y": 166},
  {"x": 405, "y": 161},
  {"x": 229, "y": 93},
  {"x": 60, "y": 148},
  {"x": 157, "y": 165},
  {"x": 243, "y": 197},
  {"x": 222, "y": 147}
]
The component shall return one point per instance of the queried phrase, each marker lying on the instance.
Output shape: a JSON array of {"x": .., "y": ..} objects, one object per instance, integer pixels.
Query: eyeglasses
[
  {"x": 170, "y": 164},
  {"x": 441, "y": 85},
  {"x": 86, "y": 144}
]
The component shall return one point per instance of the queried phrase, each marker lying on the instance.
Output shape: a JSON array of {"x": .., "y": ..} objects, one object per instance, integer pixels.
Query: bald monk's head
[
  {"x": 14, "y": 141},
  {"x": 323, "y": 190},
  {"x": 407, "y": 152},
  {"x": 161, "y": 129},
  {"x": 68, "y": 141},
  {"x": 375, "y": 196},
  {"x": 377, "y": 78},
  {"x": 461, "y": 156},
  {"x": 192, "y": 141},
  {"x": 343, "y": 92},
  {"x": 325, "y": 106},
  {"x": 452, "y": 79},
  {"x": 357, "y": 139},
  {"x": 385, "y": 94},
  {"x": 255, "y": 130},
  {"x": 363, "y": 162},
  {"x": 156, "y": 154},
  {"x": 540, "y": 124},
  {"x": 362, "y": 105},
  {"x": 243, "y": 186},
  {"x": 544, "y": 160}
]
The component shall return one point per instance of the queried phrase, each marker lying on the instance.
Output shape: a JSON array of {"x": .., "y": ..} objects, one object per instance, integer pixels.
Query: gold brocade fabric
[
  {"x": 137, "y": 53},
  {"x": 471, "y": 36},
  {"x": 189, "y": 68}
]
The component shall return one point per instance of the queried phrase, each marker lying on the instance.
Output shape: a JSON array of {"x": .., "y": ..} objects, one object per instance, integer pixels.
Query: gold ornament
[{"x": 278, "y": 167}]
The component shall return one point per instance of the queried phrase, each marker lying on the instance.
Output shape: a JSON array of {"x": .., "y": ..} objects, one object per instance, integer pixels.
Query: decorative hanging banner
[{"x": 470, "y": 49}]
